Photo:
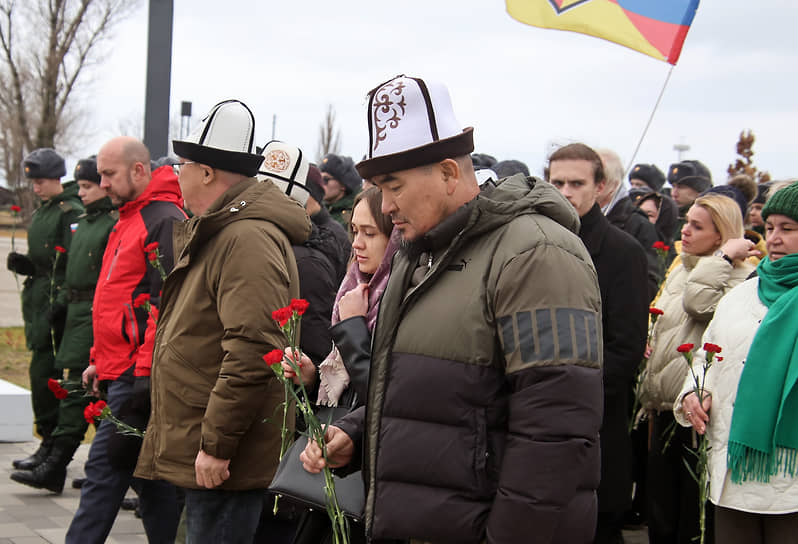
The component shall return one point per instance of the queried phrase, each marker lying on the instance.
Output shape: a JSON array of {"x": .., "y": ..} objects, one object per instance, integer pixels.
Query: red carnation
[
  {"x": 55, "y": 386},
  {"x": 659, "y": 244},
  {"x": 273, "y": 357},
  {"x": 142, "y": 299},
  {"x": 282, "y": 315},
  {"x": 712, "y": 348},
  {"x": 666, "y": 248},
  {"x": 60, "y": 249},
  {"x": 655, "y": 311},
  {"x": 88, "y": 414},
  {"x": 94, "y": 410},
  {"x": 15, "y": 208},
  {"x": 685, "y": 348},
  {"x": 299, "y": 305},
  {"x": 151, "y": 247},
  {"x": 152, "y": 257},
  {"x": 718, "y": 358}
]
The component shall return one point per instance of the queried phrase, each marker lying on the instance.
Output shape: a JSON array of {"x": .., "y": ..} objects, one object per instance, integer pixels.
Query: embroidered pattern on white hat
[
  {"x": 277, "y": 160},
  {"x": 389, "y": 108}
]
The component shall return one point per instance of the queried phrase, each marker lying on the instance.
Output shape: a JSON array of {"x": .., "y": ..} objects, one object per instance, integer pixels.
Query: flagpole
[{"x": 650, "y": 118}]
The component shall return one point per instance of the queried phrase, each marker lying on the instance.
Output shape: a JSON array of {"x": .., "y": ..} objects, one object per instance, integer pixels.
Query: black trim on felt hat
[
  {"x": 448, "y": 148},
  {"x": 239, "y": 162},
  {"x": 232, "y": 161},
  {"x": 429, "y": 153}
]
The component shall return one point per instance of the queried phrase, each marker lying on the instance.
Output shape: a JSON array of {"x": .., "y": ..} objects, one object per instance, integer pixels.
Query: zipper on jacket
[
  {"x": 134, "y": 326},
  {"x": 113, "y": 261}
]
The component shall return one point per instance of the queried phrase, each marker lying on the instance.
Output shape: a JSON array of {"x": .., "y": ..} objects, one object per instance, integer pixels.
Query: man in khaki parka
[{"x": 211, "y": 390}]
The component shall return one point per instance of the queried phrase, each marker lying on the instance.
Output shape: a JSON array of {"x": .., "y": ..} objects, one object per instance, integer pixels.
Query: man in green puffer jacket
[{"x": 485, "y": 394}]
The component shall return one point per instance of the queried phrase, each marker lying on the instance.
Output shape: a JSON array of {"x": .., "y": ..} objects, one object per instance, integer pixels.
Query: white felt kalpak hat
[
  {"x": 411, "y": 123},
  {"x": 286, "y": 166},
  {"x": 223, "y": 139}
]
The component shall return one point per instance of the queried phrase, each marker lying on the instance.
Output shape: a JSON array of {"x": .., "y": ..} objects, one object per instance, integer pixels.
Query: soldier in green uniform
[
  {"x": 45, "y": 266},
  {"x": 341, "y": 184},
  {"x": 83, "y": 268}
]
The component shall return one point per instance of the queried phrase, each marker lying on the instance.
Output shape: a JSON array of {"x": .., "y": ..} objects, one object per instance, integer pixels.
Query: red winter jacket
[{"x": 123, "y": 334}]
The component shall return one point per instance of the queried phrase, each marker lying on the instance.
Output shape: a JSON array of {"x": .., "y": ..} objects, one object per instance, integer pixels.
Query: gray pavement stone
[
  {"x": 30, "y": 515},
  {"x": 29, "y": 540}
]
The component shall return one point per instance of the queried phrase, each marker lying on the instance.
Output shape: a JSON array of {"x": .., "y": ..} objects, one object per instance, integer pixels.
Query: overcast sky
[{"x": 521, "y": 87}]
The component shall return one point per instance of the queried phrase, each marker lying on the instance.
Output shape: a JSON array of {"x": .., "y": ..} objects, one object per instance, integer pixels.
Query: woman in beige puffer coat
[{"x": 713, "y": 255}]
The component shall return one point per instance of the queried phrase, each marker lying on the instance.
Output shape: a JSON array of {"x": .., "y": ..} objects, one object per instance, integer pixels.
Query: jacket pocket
[{"x": 194, "y": 386}]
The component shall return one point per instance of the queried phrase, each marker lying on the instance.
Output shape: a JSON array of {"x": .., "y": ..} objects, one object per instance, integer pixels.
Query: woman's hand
[
  {"x": 739, "y": 249},
  {"x": 697, "y": 413},
  {"x": 355, "y": 302},
  {"x": 340, "y": 450},
  {"x": 648, "y": 351},
  {"x": 306, "y": 369}
]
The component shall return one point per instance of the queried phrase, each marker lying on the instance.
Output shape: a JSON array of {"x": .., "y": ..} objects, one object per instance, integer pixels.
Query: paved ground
[
  {"x": 32, "y": 516},
  {"x": 29, "y": 516}
]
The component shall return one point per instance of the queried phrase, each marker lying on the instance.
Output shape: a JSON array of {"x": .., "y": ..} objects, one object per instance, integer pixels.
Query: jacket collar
[
  {"x": 594, "y": 227},
  {"x": 162, "y": 187}
]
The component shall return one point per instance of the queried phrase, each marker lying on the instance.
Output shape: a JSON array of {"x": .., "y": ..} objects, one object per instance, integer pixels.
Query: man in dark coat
[
  {"x": 288, "y": 168},
  {"x": 621, "y": 212},
  {"x": 49, "y": 239},
  {"x": 689, "y": 179},
  {"x": 576, "y": 170}
]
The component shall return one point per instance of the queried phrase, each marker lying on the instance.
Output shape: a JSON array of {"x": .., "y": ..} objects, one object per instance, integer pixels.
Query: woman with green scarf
[{"x": 750, "y": 414}]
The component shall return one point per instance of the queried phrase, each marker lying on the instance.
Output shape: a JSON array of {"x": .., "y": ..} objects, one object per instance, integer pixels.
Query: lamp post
[
  {"x": 185, "y": 118},
  {"x": 159, "y": 77},
  {"x": 680, "y": 148}
]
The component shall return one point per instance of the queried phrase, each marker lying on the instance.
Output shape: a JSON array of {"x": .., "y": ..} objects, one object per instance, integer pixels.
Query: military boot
[
  {"x": 51, "y": 473},
  {"x": 32, "y": 461}
]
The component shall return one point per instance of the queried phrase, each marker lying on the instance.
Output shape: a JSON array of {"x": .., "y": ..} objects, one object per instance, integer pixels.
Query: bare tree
[
  {"x": 329, "y": 136},
  {"x": 744, "y": 163},
  {"x": 45, "y": 48}
]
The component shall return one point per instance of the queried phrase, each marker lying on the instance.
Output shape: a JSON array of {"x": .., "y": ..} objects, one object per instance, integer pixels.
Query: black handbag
[{"x": 300, "y": 486}]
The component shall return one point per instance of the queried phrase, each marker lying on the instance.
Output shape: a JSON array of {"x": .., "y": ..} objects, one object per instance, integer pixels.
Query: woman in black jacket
[{"x": 345, "y": 372}]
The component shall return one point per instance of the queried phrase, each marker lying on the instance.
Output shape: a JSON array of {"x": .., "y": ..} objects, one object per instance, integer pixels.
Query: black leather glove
[
  {"x": 21, "y": 264},
  {"x": 56, "y": 314}
]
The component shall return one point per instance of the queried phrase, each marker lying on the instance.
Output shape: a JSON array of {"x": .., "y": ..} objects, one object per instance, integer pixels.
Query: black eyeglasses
[{"x": 176, "y": 167}]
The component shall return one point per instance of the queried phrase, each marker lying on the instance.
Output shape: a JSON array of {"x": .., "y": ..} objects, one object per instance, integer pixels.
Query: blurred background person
[
  {"x": 75, "y": 301},
  {"x": 341, "y": 183},
  {"x": 45, "y": 268}
]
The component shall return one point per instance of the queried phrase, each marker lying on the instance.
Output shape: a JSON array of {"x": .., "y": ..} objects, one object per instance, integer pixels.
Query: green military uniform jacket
[
  {"x": 341, "y": 210},
  {"x": 82, "y": 271},
  {"x": 51, "y": 226}
]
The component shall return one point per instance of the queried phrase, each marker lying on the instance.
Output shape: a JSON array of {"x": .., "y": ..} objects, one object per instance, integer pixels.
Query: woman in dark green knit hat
[{"x": 751, "y": 412}]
